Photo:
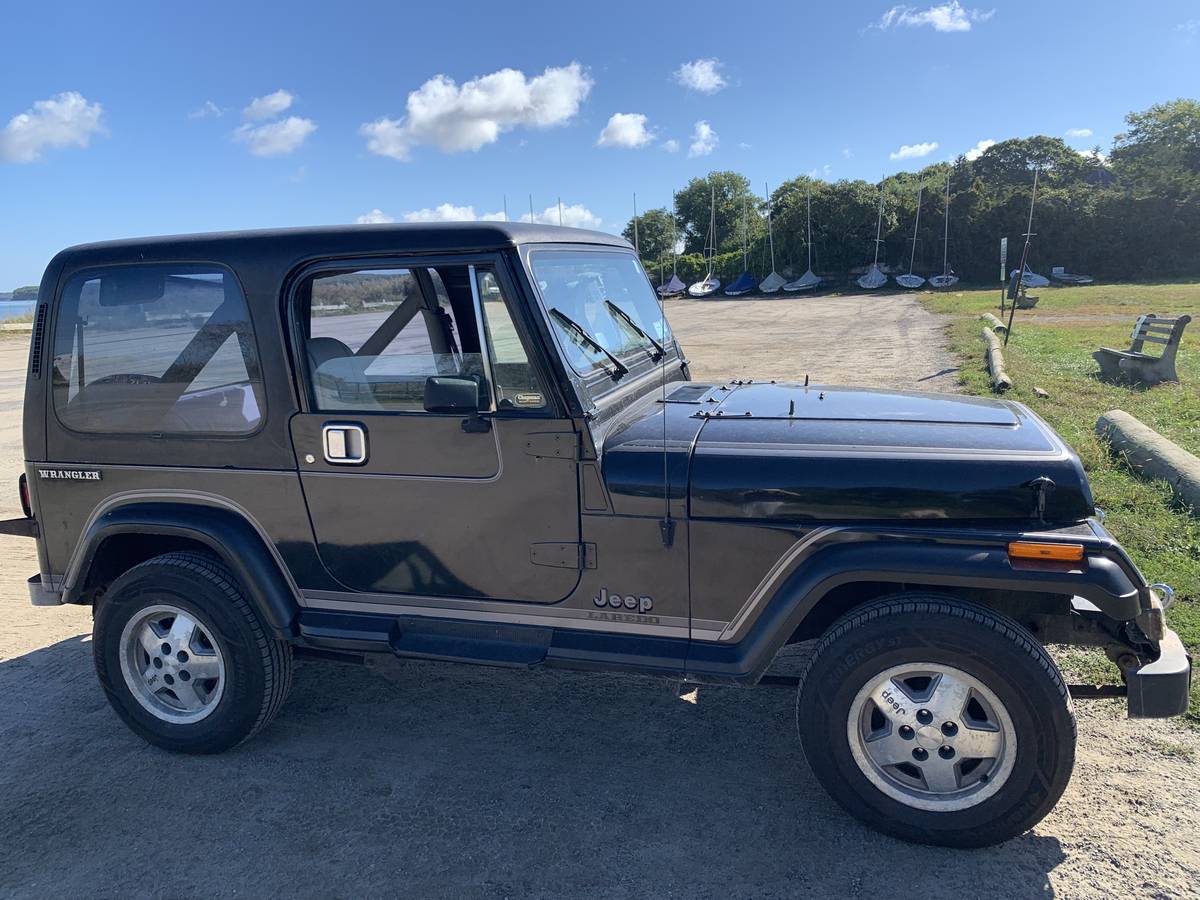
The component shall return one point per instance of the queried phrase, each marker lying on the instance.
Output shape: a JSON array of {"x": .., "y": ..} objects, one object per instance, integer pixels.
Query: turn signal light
[{"x": 1037, "y": 550}]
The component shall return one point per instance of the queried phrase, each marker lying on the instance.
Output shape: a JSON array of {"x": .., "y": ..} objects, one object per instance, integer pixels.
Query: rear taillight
[{"x": 23, "y": 490}]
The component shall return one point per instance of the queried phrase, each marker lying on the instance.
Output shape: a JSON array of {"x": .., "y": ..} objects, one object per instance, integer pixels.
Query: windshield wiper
[
  {"x": 658, "y": 352},
  {"x": 618, "y": 369}
]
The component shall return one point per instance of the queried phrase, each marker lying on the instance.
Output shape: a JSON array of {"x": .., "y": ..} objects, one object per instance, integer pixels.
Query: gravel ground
[{"x": 430, "y": 780}]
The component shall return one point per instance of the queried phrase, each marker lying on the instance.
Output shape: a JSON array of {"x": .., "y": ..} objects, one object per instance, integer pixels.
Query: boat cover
[
  {"x": 771, "y": 283},
  {"x": 705, "y": 288},
  {"x": 744, "y": 284},
  {"x": 805, "y": 282},
  {"x": 910, "y": 280},
  {"x": 674, "y": 286},
  {"x": 1031, "y": 279},
  {"x": 873, "y": 279},
  {"x": 943, "y": 281}
]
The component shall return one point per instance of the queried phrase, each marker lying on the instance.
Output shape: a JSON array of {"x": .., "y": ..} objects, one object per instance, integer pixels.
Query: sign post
[{"x": 1003, "y": 267}]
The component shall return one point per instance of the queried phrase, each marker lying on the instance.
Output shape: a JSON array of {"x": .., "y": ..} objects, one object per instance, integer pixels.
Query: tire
[
  {"x": 231, "y": 674},
  {"x": 1011, "y": 748}
]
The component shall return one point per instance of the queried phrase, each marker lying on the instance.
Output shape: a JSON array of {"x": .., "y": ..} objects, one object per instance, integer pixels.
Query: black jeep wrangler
[{"x": 481, "y": 443}]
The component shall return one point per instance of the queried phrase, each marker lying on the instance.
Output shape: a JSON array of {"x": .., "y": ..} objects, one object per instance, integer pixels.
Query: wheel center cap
[{"x": 929, "y": 736}]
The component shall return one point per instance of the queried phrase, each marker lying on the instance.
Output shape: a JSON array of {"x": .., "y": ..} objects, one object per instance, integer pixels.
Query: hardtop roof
[{"x": 422, "y": 237}]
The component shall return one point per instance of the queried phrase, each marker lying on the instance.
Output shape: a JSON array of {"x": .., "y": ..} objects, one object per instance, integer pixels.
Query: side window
[
  {"x": 374, "y": 336},
  {"x": 156, "y": 349},
  {"x": 517, "y": 386}
]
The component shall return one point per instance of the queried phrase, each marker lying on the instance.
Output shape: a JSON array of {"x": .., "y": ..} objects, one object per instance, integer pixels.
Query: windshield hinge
[
  {"x": 563, "y": 555},
  {"x": 555, "y": 445}
]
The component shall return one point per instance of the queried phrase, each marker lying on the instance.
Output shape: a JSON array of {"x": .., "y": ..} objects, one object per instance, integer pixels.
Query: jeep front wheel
[
  {"x": 937, "y": 721},
  {"x": 183, "y": 657}
]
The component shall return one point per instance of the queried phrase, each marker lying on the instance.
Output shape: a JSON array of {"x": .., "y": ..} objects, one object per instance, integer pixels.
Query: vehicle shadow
[{"x": 427, "y": 780}]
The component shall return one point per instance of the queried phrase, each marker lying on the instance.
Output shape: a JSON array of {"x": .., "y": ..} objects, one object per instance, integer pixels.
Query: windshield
[{"x": 591, "y": 289}]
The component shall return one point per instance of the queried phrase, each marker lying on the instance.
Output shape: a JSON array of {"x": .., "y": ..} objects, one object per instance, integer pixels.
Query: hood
[{"x": 789, "y": 452}]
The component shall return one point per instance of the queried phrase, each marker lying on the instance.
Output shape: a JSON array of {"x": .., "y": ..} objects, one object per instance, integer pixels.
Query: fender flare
[
  {"x": 228, "y": 533},
  {"x": 743, "y": 657}
]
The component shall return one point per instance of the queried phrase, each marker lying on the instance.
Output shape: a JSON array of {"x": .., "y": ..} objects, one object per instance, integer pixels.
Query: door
[{"x": 433, "y": 460}]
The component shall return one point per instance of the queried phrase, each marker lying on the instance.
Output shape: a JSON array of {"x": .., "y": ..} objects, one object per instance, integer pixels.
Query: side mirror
[{"x": 451, "y": 394}]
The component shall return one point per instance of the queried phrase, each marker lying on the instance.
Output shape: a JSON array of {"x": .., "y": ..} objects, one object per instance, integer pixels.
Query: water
[{"x": 12, "y": 309}]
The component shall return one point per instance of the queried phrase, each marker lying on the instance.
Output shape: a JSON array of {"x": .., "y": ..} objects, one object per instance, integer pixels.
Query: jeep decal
[
  {"x": 70, "y": 474},
  {"x": 633, "y": 603}
]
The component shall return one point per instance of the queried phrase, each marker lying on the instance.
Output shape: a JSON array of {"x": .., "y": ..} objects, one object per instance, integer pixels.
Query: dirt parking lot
[{"x": 429, "y": 780}]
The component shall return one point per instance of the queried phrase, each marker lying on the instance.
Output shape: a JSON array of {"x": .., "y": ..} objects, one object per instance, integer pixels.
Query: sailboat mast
[
  {"x": 770, "y": 229},
  {"x": 916, "y": 226},
  {"x": 636, "y": 246},
  {"x": 946, "y": 237},
  {"x": 810, "y": 228},
  {"x": 745, "y": 234},
  {"x": 878, "y": 227},
  {"x": 674, "y": 239}
]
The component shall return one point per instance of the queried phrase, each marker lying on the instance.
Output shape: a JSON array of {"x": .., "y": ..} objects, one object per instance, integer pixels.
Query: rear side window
[{"x": 156, "y": 350}]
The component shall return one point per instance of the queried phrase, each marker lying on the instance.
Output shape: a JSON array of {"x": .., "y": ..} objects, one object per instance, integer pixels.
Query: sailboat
[
  {"x": 675, "y": 285},
  {"x": 710, "y": 284},
  {"x": 774, "y": 281},
  {"x": 745, "y": 282},
  {"x": 909, "y": 280},
  {"x": 873, "y": 277},
  {"x": 808, "y": 281},
  {"x": 947, "y": 278},
  {"x": 1031, "y": 279}
]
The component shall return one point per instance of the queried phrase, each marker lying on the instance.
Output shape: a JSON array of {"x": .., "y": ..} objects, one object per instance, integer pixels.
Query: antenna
[
  {"x": 506, "y": 207},
  {"x": 1024, "y": 256},
  {"x": 531, "y": 218},
  {"x": 667, "y": 525},
  {"x": 560, "y": 212}
]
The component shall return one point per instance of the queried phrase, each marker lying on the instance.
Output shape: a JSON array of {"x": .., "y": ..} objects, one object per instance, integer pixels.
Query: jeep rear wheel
[
  {"x": 183, "y": 657},
  {"x": 937, "y": 721}
]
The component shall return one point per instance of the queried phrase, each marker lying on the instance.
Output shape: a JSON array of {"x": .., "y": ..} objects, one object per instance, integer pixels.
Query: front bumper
[{"x": 1161, "y": 688}]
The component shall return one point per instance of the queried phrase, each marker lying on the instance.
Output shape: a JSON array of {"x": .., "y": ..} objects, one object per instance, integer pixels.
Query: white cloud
[
  {"x": 671, "y": 145},
  {"x": 206, "y": 111},
  {"x": 65, "y": 120},
  {"x": 375, "y": 217},
  {"x": 456, "y": 117},
  {"x": 701, "y": 75},
  {"x": 268, "y": 107},
  {"x": 448, "y": 212},
  {"x": 826, "y": 171},
  {"x": 625, "y": 130},
  {"x": 704, "y": 140},
  {"x": 275, "y": 138},
  {"x": 1190, "y": 27},
  {"x": 574, "y": 216},
  {"x": 1079, "y": 132},
  {"x": 1093, "y": 154},
  {"x": 914, "y": 151},
  {"x": 847, "y": 152},
  {"x": 977, "y": 151},
  {"x": 944, "y": 17},
  {"x": 742, "y": 145}
]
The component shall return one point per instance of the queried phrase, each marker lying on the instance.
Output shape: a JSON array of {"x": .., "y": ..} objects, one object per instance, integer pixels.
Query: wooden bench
[{"x": 1141, "y": 368}]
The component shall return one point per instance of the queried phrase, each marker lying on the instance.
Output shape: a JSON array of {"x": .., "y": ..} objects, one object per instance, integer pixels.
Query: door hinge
[
  {"x": 563, "y": 555},
  {"x": 554, "y": 445}
]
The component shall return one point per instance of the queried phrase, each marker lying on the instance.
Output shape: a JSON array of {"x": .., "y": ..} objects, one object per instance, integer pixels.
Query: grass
[{"x": 1050, "y": 348}]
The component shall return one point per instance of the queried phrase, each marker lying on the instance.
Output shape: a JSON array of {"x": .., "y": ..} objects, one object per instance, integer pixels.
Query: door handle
[{"x": 344, "y": 444}]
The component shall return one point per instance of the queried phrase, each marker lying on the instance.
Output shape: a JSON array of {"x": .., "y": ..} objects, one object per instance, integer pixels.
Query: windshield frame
[{"x": 598, "y": 383}]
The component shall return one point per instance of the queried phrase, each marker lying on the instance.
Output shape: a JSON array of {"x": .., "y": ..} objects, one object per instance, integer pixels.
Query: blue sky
[{"x": 142, "y": 119}]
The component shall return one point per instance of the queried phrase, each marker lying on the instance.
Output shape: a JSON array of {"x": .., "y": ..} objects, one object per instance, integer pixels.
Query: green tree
[
  {"x": 654, "y": 229},
  {"x": 1160, "y": 153},
  {"x": 733, "y": 196}
]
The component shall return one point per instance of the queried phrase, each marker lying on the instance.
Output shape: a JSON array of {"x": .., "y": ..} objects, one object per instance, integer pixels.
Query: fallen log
[
  {"x": 1150, "y": 454},
  {"x": 995, "y": 362},
  {"x": 993, "y": 323}
]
